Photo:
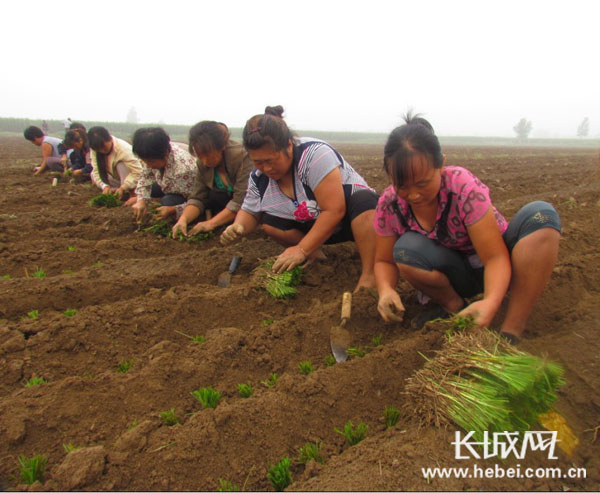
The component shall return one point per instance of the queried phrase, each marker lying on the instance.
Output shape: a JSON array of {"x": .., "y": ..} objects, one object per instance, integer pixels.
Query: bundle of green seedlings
[
  {"x": 281, "y": 286},
  {"x": 480, "y": 382},
  {"x": 105, "y": 200},
  {"x": 163, "y": 228}
]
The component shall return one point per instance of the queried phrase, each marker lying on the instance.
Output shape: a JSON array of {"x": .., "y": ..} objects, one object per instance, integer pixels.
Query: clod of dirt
[
  {"x": 14, "y": 344},
  {"x": 135, "y": 439},
  {"x": 15, "y": 429},
  {"x": 80, "y": 468}
]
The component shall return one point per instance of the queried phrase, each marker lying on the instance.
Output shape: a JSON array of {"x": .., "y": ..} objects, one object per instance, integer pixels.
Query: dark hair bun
[{"x": 274, "y": 111}]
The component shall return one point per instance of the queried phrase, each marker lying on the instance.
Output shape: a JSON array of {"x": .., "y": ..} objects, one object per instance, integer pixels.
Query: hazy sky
[{"x": 471, "y": 67}]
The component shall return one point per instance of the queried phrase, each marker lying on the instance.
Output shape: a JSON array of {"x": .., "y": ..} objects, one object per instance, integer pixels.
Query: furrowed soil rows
[{"x": 142, "y": 299}]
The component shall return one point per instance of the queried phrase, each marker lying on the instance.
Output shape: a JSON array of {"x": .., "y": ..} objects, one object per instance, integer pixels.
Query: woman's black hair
[
  {"x": 151, "y": 143},
  {"x": 97, "y": 136},
  {"x": 268, "y": 129},
  {"x": 32, "y": 133},
  {"x": 208, "y": 136},
  {"x": 75, "y": 125},
  {"x": 416, "y": 136},
  {"x": 74, "y": 135}
]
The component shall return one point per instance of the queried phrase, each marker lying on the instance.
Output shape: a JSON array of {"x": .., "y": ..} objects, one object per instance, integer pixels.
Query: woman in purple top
[{"x": 437, "y": 228}]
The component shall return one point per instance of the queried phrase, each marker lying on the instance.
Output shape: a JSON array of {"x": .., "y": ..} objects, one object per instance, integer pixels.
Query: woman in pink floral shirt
[
  {"x": 437, "y": 228},
  {"x": 305, "y": 194},
  {"x": 169, "y": 173}
]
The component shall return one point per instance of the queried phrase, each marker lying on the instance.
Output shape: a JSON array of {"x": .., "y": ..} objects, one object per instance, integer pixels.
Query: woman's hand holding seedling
[
  {"x": 202, "y": 227},
  {"x": 139, "y": 210},
  {"x": 482, "y": 312},
  {"x": 232, "y": 233},
  {"x": 165, "y": 211},
  {"x": 290, "y": 258},
  {"x": 390, "y": 306},
  {"x": 180, "y": 228}
]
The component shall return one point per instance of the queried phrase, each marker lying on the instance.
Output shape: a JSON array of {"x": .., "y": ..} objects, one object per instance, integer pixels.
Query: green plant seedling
[
  {"x": 245, "y": 390},
  {"x": 97, "y": 264},
  {"x": 132, "y": 425},
  {"x": 226, "y": 485},
  {"x": 67, "y": 271},
  {"x": 124, "y": 366},
  {"x": 356, "y": 351},
  {"x": 105, "y": 200},
  {"x": 159, "y": 228},
  {"x": 376, "y": 341},
  {"x": 39, "y": 272},
  {"x": 329, "y": 360},
  {"x": 193, "y": 338},
  {"x": 33, "y": 381},
  {"x": 197, "y": 238},
  {"x": 391, "y": 416},
  {"x": 271, "y": 381},
  {"x": 310, "y": 451},
  {"x": 208, "y": 397},
  {"x": 69, "y": 447},
  {"x": 267, "y": 321},
  {"x": 279, "y": 474},
  {"x": 33, "y": 314},
  {"x": 352, "y": 435},
  {"x": 70, "y": 312},
  {"x": 32, "y": 469},
  {"x": 71, "y": 248},
  {"x": 169, "y": 417},
  {"x": 6, "y": 276},
  {"x": 306, "y": 367},
  {"x": 281, "y": 286}
]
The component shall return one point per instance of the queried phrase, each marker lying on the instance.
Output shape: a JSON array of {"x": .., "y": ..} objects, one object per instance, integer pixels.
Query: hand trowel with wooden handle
[{"x": 339, "y": 337}]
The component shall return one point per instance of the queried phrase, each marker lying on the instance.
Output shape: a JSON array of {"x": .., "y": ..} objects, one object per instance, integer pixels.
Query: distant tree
[
  {"x": 132, "y": 116},
  {"x": 584, "y": 128},
  {"x": 523, "y": 128}
]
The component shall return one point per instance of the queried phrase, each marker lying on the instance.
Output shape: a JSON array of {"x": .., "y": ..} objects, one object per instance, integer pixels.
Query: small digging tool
[
  {"x": 339, "y": 337},
  {"x": 224, "y": 279}
]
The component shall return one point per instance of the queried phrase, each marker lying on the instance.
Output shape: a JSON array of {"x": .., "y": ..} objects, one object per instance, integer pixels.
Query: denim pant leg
[
  {"x": 531, "y": 217},
  {"x": 418, "y": 251}
]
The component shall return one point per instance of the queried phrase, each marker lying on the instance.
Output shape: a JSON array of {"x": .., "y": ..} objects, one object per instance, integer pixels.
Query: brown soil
[{"x": 134, "y": 291}]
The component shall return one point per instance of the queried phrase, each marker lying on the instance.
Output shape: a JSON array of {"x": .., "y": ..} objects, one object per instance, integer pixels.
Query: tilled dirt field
[{"x": 137, "y": 294}]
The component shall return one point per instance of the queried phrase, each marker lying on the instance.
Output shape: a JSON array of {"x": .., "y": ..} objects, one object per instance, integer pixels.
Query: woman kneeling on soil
[
  {"x": 79, "y": 158},
  {"x": 305, "y": 194},
  {"x": 169, "y": 173},
  {"x": 223, "y": 167},
  {"x": 436, "y": 227},
  {"x": 115, "y": 168}
]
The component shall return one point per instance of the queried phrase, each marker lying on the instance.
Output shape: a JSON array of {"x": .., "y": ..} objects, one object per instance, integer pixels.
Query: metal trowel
[
  {"x": 339, "y": 337},
  {"x": 224, "y": 279}
]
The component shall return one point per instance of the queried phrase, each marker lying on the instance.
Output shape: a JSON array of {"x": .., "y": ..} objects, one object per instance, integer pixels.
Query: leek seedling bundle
[
  {"x": 159, "y": 228},
  {"x": 197, "y": 238},
  {"x": 283, "y": 285},
  {"x": 480, "y": 382},
  {"x": 105, "y": 200}
]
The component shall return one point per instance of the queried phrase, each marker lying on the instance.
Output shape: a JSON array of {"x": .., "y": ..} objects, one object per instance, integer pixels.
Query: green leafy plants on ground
[
  {"x": 105, "y": 200},
  {"x": 197, "y": 238},
  {"x": 193, "y": 338},
  {"x": 245, "y": 390},
  {"x": 271, "y": 381},
  {"x": 159, "y": 228},
  {"x": 353, "y": 435},
  {"x": 70, "y": 312},
  {"x": 124, "y": 366},
  {"x": 132, "y": 425},
  {"x": 39, "y": 272},
  {"x": 376, "y": 341},
  {"x": 482, "y": 383},
  {"x": 33, "y": 314},
  {"x": 391, "y": 416},
  {"x": 267, "y": 321},
  {"x": 67, "y": 271},
  {"x": 310, "y": 451},
  {"x": 6, "y": 276},
  {"x": 169, "y": 417},
  {"x": 226, "y": 485},
  {"x": 279, "y": 474},
  {"x": 71, "y": 248},
  {"x": 329, "y": 360},
  {"x": 356, "y": 351},
  {"x": 33, "y": 381},
  {"x": 208, "y": 397},
  {"x": 282, "y": 286},
  {"x": 69, "y": 447},
  {"x": 306, "y": 367},
  {"x": 32, "y": 469}
]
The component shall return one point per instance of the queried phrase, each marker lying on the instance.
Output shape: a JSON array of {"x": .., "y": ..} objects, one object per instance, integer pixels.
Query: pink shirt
[{"x": 463, "y": 200}]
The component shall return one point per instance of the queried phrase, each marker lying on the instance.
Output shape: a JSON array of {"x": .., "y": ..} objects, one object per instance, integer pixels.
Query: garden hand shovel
[
  {"x": 224, "y": 279},
  {"x": 339, "y": 337}
]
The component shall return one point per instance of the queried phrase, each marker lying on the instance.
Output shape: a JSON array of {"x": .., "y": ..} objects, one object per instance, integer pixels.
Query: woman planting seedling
[
  {"x": 437, "y": 228},
  {"x": 305, "y": 194},
  {"x": 223, "y": 169}
]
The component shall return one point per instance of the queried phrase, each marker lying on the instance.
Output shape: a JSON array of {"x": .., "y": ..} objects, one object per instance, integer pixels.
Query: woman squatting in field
[
  {"x": 80, "y": 161},
  {"x": 169, "y": 174},
  {"x": 437, "y": 228},
  {"x": 52, "y": 150},
  {"x": 115, "y": 168},
  {"x": 223, "y": 169},
  {"x": 305, "y": 194}
]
